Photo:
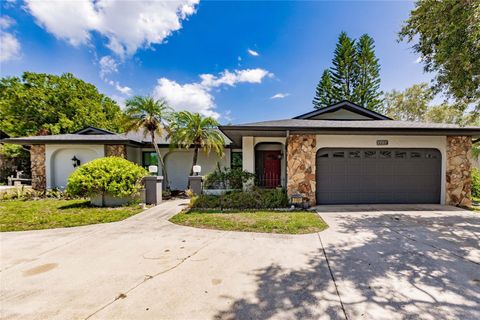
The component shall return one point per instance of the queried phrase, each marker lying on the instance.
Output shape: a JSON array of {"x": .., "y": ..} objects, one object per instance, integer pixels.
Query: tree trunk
[
  {"x": 195, "y": 159},
  {"x": 160, "y": 162}
]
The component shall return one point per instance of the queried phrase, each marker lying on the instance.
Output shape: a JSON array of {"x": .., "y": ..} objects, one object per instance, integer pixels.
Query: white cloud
[
  {"x": 6, "y": 22},
  {"x": 191, "y": 96},
  {"x": 9, "y": 44},
  {"x": 253, "y": 53},
  {"x": 197, "y": 97},
  {"x": 107, "y": 65},
  {"x": 232, "y": 78},
  {"x": 122, "y": 89},
  {"x": 10, "y": 48},
  {"x": 280, "y": 95},
  {"x": 418, "y": 60},
  {"x": 127, "y": 25}
]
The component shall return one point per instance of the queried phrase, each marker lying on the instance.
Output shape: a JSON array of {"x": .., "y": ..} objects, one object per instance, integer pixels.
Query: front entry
[{"x": 268, "y": 168}]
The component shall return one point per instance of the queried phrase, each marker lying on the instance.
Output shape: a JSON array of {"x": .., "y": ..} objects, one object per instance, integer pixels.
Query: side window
[
  {"x": 149, "y": 158},
  {"x": 236, "y": 160}
]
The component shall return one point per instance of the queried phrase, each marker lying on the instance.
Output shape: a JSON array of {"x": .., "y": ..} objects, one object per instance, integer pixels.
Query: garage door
[{"x": 363, "y": 176}]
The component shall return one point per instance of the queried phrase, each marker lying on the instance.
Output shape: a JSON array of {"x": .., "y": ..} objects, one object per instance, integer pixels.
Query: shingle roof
[{"x": 352, "y": 124}]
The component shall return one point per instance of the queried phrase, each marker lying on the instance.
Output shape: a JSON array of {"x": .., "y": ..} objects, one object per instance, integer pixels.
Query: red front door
[{"x": 271, "y": 169}]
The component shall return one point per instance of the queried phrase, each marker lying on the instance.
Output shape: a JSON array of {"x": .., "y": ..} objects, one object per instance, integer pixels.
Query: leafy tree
[
  {"x": 367, "y": 89},
  {"x": 191, "y": 129},
  {"x": 354, "y": 76},
  {"x": 148, "y": 115},
  {"x": 408, "y": 105},
  {"x": 39, "y": 103},
  {"x": 446, "y": 36}
]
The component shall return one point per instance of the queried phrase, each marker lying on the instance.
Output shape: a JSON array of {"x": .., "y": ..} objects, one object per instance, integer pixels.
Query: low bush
[
  {"x": 476, "y": 183},
  {"x": 111, "y": 175},
  {"x": 253, "y": 199},
  {"x": 27, "y": 193},
  {"x": 227, "y": 178}
]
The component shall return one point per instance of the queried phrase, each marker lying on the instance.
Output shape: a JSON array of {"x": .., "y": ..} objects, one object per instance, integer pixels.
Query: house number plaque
[{"x": 382, "y": 142}]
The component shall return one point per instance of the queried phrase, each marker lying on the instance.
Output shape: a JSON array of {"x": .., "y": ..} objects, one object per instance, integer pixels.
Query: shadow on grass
[
  {"x": 77, "y": 205},
  {"x": 405, "y": 267}
]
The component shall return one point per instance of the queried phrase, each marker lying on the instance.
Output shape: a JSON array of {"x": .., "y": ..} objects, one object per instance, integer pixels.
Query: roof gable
[
  {"x": 92, "y": 130},
  {"x": 344, "y": 110}
]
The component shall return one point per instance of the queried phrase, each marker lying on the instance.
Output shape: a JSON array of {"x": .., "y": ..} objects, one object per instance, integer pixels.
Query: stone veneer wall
[
  {"x": 37, "y": 158},
  {"x": 459, "y": 179},
  {"x": 116, "y": 150},
  {"x": 301, "y": 155}
]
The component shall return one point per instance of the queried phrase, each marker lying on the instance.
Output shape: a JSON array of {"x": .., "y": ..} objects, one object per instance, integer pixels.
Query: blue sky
[{"x": 248, "y": 52}]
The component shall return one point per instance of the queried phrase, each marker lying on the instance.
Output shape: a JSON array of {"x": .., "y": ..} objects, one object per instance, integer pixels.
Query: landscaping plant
[
  {"x": 476, "y": 183},
  {"x": 253, "y": 199},
  {"x": 111, "y": 175},
  {"x": 227, "y": 178}
]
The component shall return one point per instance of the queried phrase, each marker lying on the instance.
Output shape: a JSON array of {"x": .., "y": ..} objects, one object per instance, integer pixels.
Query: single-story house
[{"x": 341, "y": 154}]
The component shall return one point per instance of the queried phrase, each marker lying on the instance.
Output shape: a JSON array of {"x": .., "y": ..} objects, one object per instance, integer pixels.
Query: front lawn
[
  {"x": 296, "y": 222},
  {"x": 18, "y": 215}
]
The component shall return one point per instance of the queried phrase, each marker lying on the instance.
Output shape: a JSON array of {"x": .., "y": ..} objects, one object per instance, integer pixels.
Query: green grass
[
  {"x": 18, "y": 215},
  {"x": 297, "y": 222}
]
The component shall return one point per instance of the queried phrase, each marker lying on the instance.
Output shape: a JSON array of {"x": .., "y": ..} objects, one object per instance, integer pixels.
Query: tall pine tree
[
  {"x": 344, "y": 71},
  {"x": 324, "y": 94},
  {"x": 367, "y": 88},
  {"x": 354, "y": 76}
]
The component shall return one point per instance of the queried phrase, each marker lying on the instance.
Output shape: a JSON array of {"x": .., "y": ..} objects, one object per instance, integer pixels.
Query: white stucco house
[{"x": 341, "y": 154}]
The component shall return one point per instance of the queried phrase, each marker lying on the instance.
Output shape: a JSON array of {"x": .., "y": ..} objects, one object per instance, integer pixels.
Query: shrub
[
  {"x": 476, "y": 182},
  {"x": 112, "y": 175},
  {"x": 227, "y": 178},
  {"x": 253, "y": 199}
]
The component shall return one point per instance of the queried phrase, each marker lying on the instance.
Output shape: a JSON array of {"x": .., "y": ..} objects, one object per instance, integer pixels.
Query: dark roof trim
[
  {"x": 347, "y": 105},
  {"x": 92, "y": 130},
  {"x": 27, "y": 141},
  {"x": 409, "y": 131}
]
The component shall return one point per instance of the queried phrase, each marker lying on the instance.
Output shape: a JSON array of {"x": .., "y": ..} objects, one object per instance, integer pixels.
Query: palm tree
[
  {"x": 149, "y": 115},
  {"x": 191, "y": 129}
]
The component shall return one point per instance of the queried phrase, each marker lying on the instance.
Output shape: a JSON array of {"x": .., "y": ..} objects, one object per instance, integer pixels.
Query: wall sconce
[
  {"x": 196, "y": 169},
  {"x": 75, "y": 162}
]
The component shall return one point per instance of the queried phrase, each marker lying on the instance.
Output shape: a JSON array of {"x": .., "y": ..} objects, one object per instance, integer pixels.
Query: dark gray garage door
[{"x": 358, "y": 176}]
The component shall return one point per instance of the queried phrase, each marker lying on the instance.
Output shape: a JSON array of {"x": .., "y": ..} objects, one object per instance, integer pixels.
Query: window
[
  {"x": 149, "y": 158},
  {"x": 385, "y": 154},
  {"x": 354, "y": 154},
  {"x": 400, "y": 155},
  {"x": 236, "y": 160},
  {"x": 370, "y": 154},
  {"x": 415, "y": 154}
]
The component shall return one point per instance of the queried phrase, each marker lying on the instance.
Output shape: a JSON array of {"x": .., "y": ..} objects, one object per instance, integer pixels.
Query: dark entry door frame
[{"x": 268, "y": 168}]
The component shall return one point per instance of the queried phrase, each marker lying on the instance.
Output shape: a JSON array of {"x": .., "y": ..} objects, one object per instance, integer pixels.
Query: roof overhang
[
  {"x": 235, "y": 133},
  {"x": 27, "y": 141}
]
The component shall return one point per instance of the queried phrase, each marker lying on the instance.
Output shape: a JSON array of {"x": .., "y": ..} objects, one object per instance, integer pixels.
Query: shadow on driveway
[{"x": 386, "y": 266}]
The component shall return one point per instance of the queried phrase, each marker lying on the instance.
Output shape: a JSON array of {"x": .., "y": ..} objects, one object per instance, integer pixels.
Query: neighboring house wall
[
  {"x": 459, "y": 178},
  {"x": 59, "y": 164},
  {"x": 37, "y": 158}
]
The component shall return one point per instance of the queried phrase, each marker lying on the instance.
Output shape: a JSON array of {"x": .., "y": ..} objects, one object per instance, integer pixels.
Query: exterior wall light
[
  {"x": 75, "y": 162},
  {"x": 196, "y": 169}
]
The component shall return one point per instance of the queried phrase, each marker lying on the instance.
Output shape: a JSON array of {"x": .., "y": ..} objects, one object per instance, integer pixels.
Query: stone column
[
  {"x": 116, "y": 150},
  {"x": 37, "y": 159},
  {"x": 458, "y": 175},
  {"x": 301, "y": 156}
]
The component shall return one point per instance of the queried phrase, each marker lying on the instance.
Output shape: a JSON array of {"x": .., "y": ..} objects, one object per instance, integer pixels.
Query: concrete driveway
[{"x": 383, "y": 263}]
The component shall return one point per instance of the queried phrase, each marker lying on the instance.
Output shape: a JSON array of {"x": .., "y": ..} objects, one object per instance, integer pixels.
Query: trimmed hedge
[
  {"x": 111, "y": 175},
  {"x": 476, "y": 183},
  {"x": 253, "y": 199}
]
